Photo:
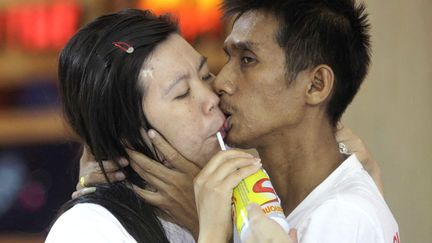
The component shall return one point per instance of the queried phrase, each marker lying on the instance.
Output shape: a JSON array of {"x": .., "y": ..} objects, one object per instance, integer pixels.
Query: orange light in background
[
  {"x": 195, "y": 16},
  {"x": 39, "y": 26}
]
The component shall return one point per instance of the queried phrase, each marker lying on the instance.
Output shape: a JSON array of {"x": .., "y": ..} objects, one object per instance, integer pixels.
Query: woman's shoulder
[{"x": 88, "y": 222}]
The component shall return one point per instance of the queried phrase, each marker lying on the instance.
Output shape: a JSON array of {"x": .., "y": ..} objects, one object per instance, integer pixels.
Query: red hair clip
[{"x": 124, "y": 46}]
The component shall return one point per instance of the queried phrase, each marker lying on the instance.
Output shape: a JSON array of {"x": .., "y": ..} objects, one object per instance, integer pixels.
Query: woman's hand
[
  {"x": 90, "y": 173},
  {"x": 172, "y": 183},
  {"x": 213, "y": 192},
  {"x": 355, "y": 145},
  {"x": 263, "y": 229}
]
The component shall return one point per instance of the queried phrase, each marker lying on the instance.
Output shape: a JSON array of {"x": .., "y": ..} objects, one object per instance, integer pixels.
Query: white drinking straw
[{"x": 221, "y": 142}]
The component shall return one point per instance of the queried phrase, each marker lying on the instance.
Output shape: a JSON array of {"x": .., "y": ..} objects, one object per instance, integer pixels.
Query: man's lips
[
  {"x": 227, "y": 124},
  {"x": 227, "y": 112},
  {"x": 225, "y": 108}
]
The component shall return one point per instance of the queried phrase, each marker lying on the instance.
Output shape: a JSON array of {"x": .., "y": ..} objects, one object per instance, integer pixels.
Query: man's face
[{"x": 253, "y": 83}]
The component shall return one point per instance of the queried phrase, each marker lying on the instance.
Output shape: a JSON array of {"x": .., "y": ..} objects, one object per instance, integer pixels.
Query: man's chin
[{"x": 236, "y": 140}]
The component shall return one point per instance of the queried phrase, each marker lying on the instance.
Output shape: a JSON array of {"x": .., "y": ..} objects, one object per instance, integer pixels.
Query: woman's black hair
[{"x": 102, "y": 101}]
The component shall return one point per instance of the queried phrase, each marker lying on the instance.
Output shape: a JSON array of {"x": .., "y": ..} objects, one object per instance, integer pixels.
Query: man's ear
[{"x": 321, "y": 80}]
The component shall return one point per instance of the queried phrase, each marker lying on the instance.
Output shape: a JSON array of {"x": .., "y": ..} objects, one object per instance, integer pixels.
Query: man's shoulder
[
  {"x": 346, "y": 207},
  {"x": 336, "y": 220},
  {"x": 358, "y": 189},
  {"x": 352, "y": 206},
  {"x": 357, "y": 193},
  {"x": 351, "y": 217}
]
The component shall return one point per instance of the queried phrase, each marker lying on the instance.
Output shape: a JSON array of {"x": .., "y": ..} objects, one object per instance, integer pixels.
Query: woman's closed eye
[{"x": 184, "y": 95}]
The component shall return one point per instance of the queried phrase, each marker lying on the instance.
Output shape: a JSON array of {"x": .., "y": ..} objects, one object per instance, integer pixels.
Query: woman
[
  {"x": 122, "y": 73},
  {"x": 115, "y": 86}
]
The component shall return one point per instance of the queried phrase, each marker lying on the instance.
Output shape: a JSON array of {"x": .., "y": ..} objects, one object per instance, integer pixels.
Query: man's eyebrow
[
  {"x": 175, "y": 82},
  {"x": 244, "y": 45},
  {"x": 240, "y": 45}
]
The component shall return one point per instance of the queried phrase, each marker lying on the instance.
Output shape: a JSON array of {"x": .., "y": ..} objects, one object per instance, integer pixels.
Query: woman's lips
[
  {"x": 222, "y": 132},
  {"x": 226, "y": 126}
]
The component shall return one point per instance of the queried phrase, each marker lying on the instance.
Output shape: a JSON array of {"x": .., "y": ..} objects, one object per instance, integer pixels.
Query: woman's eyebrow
[
  {"x": 185, "y": 76},
  {"x": 203, "y": 60},
  {"x": 175, "y": 82}
]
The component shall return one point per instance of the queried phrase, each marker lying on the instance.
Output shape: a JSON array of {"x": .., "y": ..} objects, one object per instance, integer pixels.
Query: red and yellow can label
[{"x": 258, "y": 189}]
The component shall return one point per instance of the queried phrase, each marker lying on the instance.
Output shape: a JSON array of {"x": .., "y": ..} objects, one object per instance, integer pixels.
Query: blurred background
[{"x": 39, "y": 155}]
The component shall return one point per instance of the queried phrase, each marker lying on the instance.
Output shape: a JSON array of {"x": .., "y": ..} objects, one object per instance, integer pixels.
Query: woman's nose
[{"x": 211, "y": 101}]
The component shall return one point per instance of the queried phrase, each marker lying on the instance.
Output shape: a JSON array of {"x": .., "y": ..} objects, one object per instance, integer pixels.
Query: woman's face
[{"x": 178, "y": 101}]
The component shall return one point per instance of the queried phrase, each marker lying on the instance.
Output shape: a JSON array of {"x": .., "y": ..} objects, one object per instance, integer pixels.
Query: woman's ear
[{"x": 320, "y": 86}]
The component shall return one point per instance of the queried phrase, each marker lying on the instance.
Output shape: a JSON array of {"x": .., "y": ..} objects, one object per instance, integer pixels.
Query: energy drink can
[{"x": 258, "y": 189}]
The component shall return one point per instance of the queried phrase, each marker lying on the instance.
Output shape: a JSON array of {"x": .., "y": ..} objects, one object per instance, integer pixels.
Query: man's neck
[{"x": 298, "y": 163}]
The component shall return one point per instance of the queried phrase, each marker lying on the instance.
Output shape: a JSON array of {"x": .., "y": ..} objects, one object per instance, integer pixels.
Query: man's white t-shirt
[
  {"x": 346, "y": 207},
  {"x": 88, "y": 222}
]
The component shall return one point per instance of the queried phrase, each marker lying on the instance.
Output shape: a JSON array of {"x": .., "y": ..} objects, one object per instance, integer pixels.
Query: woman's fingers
[
  {"x": 353, "y": 143},
  {"x": 94, "y": 175},
  {"x": 96, "y": 178},
  {"x": 235, "y": 170},
  {"x": 220, "y": 158},
  {"x": 91, "y": 172},
  {"x": 110, "y": 166},
  {"x": 293, "y": 235},
  {"x": 221, "y": 182},
  {"x": 226, "y": 168},
  {"x": 263, "y": 229},
  {"x": 213, "y": 189},
  {"x": 356, "y": 146},
  {"x": 236, "y": 177},
  {"x": 343, "y": 133},
  {"x": 83, "y": 191}
]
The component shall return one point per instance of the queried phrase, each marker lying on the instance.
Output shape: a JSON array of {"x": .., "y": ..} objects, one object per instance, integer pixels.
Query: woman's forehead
[
  {"x": 174, "y": 49},
  {"x": 173, "y": 57}
]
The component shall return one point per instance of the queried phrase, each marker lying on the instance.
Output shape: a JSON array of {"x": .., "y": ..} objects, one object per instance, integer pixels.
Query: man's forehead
[{"x": 252, "y": 27}]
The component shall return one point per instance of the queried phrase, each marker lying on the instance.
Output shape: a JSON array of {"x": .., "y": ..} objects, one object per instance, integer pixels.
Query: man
[{"x": 293, "y": 67}]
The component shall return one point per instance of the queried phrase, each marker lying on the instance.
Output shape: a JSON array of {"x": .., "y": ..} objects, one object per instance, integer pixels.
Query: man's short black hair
[{"x": 313, "y": 32}]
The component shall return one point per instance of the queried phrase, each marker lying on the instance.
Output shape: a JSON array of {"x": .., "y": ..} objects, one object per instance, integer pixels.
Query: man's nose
[{"x": 223, "y": 84}]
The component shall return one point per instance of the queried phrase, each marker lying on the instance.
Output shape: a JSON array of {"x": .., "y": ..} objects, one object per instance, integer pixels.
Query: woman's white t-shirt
[{"x": 89, "y": 222}]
